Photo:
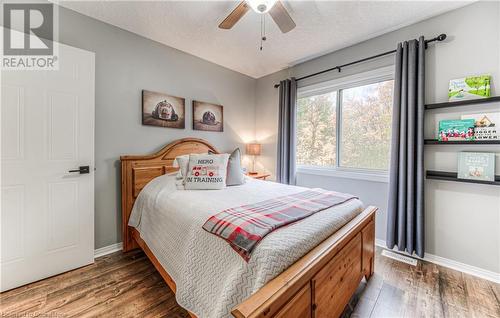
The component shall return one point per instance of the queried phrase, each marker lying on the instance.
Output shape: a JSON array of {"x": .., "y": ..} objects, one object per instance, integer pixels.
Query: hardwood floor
[
  {"x": 117, "y": 285},
  {"x": 425, "y": 290},
  {"x": 121, "y": 285}
]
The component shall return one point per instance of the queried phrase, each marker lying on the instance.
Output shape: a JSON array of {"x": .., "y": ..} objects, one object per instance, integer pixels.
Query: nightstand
[{"x": 259, "y": 175}]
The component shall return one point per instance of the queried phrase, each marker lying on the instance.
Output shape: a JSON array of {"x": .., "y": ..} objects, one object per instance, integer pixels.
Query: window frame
[{"x": 360, "y": 79}]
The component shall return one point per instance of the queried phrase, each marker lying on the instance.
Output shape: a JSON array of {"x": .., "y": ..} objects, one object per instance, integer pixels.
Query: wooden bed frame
[{"x": 319, "y": 284}]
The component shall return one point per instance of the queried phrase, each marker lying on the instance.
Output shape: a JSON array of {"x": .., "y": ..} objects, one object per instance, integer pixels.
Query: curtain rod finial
[
  {"x": 441, "y": 37},
  {"x": 276, "y": 85}
]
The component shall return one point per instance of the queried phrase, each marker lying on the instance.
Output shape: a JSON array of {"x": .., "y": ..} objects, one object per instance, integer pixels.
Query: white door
[{"x": 47, "y": 213}]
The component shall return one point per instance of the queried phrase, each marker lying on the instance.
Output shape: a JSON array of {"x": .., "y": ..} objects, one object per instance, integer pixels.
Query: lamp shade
[{"x": 253, "y": 149}]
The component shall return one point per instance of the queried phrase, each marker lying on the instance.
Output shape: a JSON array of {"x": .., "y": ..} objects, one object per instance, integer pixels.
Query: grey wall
[
  {"x": 127, "y": 63},
  {"x": 462, "y": 220}
]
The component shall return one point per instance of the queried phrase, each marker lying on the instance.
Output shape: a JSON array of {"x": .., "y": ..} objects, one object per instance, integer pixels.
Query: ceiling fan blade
[
  {"x": 281, "y": 17},
  {"x": 235, "y": 15}
]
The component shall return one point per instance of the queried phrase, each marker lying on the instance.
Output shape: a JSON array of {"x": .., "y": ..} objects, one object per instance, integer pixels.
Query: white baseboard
[
  {"x": 458, "y": 266},
  {"x": 108, "y": 250}
]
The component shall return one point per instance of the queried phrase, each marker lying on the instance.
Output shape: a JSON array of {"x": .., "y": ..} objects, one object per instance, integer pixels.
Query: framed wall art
[
  {"x": 163, "y": 110},
  {"x": 207, "y": 116}
]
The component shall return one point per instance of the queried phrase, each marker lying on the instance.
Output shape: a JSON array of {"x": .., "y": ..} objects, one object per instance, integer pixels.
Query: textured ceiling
[{"x": 322, "y": 27}]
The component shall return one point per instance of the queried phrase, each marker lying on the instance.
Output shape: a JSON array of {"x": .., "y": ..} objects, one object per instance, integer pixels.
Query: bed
[{"x": 307, "y": 269}]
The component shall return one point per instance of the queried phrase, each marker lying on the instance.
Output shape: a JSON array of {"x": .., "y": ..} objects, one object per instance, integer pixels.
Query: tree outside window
[{"x": 316, "y": 130}]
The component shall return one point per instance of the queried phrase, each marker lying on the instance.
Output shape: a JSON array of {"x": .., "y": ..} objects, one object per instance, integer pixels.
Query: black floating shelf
[
  {"x": 463, "y": 102},
  {"x": 466, "y": 142},
  {"x": 452, "y": 176}
]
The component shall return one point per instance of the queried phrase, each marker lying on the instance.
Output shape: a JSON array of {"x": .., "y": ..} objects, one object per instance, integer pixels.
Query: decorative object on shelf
[
  {"x": 253, "y": 149},
  {"x": 162, "y": 110},
  {"x": 452, "y": 130},
  {"x": 470, "y": 87},
  {"x": 208, "y": 116},
  {"x": 476, "y": 166},
  {"x": 486, "y": 126}
]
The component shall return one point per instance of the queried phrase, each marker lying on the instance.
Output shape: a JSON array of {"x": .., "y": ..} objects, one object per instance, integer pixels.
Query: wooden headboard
[{"x": 137, "y": 171}]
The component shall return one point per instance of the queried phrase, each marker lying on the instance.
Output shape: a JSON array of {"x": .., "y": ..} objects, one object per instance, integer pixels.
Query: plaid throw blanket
[{"x": 245, "y": 226}]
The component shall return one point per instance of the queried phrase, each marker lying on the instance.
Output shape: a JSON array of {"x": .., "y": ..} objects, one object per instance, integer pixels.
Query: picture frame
[
  {"x": 208, "y": 116},
  {"x": 476, "y": 166},
  {"x": 487, "y": 125},
  {"x": 456, "y": 130},
  {"x": 163, "y": 110},
  {"x": 470, "y": 87}
]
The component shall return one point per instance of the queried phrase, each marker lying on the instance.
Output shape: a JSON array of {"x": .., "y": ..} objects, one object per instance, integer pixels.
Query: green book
[
  {"x": 456, "y": 130},
  {"x": 472, "y": 87},
  {"x": 476, "y": 166}
]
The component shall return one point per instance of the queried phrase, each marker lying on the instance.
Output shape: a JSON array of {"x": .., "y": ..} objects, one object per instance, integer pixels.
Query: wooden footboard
[{"x": 319, "y": 284}]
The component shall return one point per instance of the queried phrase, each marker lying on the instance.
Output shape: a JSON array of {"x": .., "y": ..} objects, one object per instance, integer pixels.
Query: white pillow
[
  {"x": 182, "y": 162},
  {"x": 206, "y": 172},
  {"x": 235, "y": 175}
]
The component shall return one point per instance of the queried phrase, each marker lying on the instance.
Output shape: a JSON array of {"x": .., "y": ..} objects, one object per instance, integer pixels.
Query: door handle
[{"x": 81, "y": 169}]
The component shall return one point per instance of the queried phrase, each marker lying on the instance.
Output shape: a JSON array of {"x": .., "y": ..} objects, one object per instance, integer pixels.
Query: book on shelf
[
  {"x": 486, "y": 125},
  {"x": 456, "y": 130},
  {"x": 471, "y": 87},
  {"x": 476, "y": 166}
]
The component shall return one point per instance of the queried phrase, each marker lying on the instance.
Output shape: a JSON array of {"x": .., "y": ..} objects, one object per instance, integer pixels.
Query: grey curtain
[
  {"x": 405, "y": 215},
  {"x": 285, "y": 170}
]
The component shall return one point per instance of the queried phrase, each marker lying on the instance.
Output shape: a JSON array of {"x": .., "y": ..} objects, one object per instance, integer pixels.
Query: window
[
  {"x": 316, "y": 130},
  {"x": 366, "y": 126},
  {"x": 346, "y": 124}
]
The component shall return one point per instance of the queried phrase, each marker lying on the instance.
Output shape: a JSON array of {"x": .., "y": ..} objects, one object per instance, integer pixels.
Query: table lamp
[{"x": 253, "y": 149}]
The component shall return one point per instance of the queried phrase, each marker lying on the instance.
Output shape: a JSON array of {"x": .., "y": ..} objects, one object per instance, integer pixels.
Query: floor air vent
[{"x": 400, "y": 257}]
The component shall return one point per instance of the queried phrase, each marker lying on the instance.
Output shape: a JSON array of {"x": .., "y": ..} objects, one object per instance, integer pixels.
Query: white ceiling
[{"x": 322, "y": 27}]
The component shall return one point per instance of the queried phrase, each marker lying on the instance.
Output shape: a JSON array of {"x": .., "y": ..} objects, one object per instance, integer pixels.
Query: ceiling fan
[{"x": 275, "y": 9}]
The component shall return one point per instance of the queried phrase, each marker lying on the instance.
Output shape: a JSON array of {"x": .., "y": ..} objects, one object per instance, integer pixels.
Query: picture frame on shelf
[
  {"x": 476, "y": 166},
  {"x": 470, "y": 87},
  {"x": 486, "y": 126},
  {"x": 456, "y": 130}
]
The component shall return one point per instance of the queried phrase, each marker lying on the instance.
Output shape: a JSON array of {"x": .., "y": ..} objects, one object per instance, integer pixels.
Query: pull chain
[{"x": 262, "y": 30}]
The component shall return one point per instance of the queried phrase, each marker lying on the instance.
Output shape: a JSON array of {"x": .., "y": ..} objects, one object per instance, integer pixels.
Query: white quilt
[{"x": 211, "y": 278}]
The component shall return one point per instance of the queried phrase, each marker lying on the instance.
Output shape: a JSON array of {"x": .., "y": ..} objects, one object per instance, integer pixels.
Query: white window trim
[
  {"x": 360, "y": 79},
  {"x": 346, "y": 173}
]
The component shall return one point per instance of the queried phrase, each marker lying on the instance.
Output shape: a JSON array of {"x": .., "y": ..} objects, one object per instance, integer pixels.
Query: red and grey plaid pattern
[{"x": 245, "y": 226}]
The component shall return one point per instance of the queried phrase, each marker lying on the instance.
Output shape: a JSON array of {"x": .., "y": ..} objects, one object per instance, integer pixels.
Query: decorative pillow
[
  {"x": 235, "y": 175},
  {"x": 206, "y": 172},
  {"x": 182, "y": 162}
]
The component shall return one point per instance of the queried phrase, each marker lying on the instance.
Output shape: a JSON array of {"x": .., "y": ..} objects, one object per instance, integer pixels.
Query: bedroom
[{"x": 137, "y": 78}]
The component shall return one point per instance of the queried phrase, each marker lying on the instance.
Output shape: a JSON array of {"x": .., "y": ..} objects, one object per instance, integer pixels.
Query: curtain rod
[{"x": 438, "y": 38}]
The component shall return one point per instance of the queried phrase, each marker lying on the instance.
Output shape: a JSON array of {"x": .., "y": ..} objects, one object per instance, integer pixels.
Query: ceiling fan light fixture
[{"x": 261, "y": 6}]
